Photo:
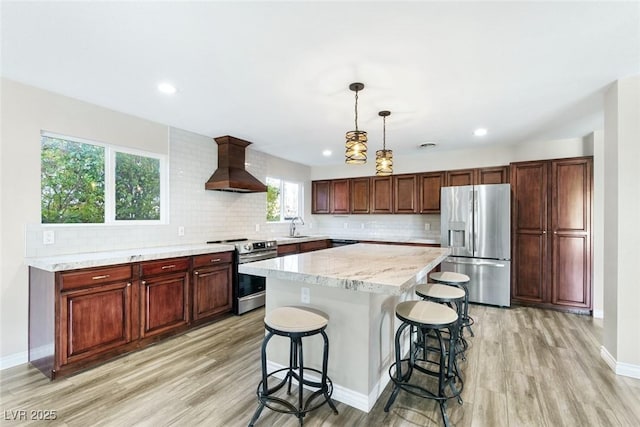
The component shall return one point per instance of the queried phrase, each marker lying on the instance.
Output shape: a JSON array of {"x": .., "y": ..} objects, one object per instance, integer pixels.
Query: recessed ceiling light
[
  {"x": 167, "y": 88},
  {"x": 326, "y": 153},
  {"x": 480, "y": 132},
  {"x": 427, "y": 145}
]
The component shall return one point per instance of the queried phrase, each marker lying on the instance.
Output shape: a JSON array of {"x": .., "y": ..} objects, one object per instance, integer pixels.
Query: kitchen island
[{"x": 358, "y": 286}]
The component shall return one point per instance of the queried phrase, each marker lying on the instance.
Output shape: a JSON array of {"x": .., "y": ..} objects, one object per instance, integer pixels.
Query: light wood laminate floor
[{"x": 525, "y": 367}]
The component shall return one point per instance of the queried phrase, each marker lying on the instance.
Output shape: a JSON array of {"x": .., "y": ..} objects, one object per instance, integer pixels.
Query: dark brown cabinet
[
  {"x": 79, "y": 318},
  {"x": 381, "y": 201},
  {"x": 94, "y": 320},
  {"x": 477, "y": 176},
  {"x": 339, "y": 196},
  {"x": 429, "y": 190},
  {"x": 320, "y": 197},
  {"x": 302, "y": 247},
  {"x": 551, "y": 220},
  {"x": 396, "y": 194},
  {"x": 212, "y": 282},
  {"x": 461, "y": 177},
  {"x": 405, "y": 193},
  {"x": 493, "y": 175},
  {"x": 360, "y": 195},
  {"x": 164, "y": 301}
]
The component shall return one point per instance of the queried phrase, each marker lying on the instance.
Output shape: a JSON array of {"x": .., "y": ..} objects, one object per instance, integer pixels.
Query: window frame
[
  {"x": 300, "y": 185},
  {"x": 110, "y": 151}
]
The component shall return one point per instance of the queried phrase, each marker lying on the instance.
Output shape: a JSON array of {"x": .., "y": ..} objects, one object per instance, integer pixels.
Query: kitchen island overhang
[{"x": 358, "y": 286}]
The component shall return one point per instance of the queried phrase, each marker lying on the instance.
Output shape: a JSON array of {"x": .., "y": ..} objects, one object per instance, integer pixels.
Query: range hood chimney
[{"x": 231, "y": 174}]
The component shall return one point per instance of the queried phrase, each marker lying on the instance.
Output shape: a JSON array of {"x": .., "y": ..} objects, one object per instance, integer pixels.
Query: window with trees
[
  {"x": 91, "y": 183},
  {"x": 284, "y": 199}
]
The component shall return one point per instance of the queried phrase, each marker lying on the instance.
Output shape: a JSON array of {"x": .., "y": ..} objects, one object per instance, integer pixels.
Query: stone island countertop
[{"x": 384, "y": 269}]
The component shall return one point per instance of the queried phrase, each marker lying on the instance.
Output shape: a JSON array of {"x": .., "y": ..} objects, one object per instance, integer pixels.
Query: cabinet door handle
[
  {"x": 144, "y": 282},
  {"x": 196, "y": 272},
  {"x": 166, "y": 267},
  {"x": 103, "y": 276},
  {"x": 215, "y": 260},
  {"x": 128, "y": 284},
  {"x": 544, "y": 231}
]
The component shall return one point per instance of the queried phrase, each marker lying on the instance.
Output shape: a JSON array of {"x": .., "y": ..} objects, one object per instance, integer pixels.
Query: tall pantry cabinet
[{"x": 552, "y": 242}]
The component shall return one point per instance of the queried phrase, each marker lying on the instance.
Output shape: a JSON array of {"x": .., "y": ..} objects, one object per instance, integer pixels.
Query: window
[
  {"x": 284, "y": 200},
  {"x": 90, "y": 183}
]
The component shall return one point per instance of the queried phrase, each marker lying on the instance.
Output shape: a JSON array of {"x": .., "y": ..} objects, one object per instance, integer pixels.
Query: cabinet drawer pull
[
  {"x": 144, "y": 282},
  {"x": 216, "y": 260},
  {"x": 166, "y": 267},
  {"x": 128, "y": 284},
  {"x": 104, "y": 276},
  {"x": 196, "y": 272}
]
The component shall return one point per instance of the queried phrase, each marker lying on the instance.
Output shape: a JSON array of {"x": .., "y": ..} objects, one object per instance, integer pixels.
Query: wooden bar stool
[
  {"x": 295, "y": 323},
  {"x": 460, "y": 280},
  {"x": 424, "y": 317}
]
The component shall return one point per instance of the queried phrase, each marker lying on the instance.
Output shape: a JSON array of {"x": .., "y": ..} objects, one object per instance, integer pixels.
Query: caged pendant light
[
  {"x": 384, "y": 157},
  {"x": 356, "y": 144}
]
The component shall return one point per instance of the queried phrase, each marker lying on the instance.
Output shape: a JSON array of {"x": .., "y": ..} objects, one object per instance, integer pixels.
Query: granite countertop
[
  {"x": 386, "y": 269},
  {"x": 97, "y": 259},
  {"x": 285, "y": 240}
]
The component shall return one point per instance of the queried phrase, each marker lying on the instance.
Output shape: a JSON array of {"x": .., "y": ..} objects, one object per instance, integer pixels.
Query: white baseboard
[
  {"x": 620, "y": 368},
  {"x": 598, "y": 314},
  {"x": 12, "y": 360}
]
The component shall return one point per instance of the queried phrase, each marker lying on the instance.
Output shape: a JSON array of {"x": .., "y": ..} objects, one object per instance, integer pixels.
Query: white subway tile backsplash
[{"x": 210, "y": 215}]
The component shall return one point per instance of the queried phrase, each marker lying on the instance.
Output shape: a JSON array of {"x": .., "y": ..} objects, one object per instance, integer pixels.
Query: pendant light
[
  {"x": 356, "y": 145},
  {"x": 384, "y": 157}
]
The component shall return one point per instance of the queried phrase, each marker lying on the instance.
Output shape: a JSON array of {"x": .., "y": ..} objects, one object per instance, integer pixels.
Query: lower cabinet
[
  {"x": 79, "y": 318},
  {"x": 165, "y": 296},
  {"x": 298, "y": 248},
  {"x": 94, "y": 321},
  {"x": 211, "y": 282}
]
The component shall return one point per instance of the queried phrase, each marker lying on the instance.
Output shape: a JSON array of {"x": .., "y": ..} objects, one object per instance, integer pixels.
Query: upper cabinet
[
  {"x": 490, "y": 175},
  {"x": 401, "y": 194},
  {"x": 381, "y": 195},
  {"x": 429, "y": 185},
  {"x": 405, "y": 192},
  {"x": 339, "y": 196},
  {"x": 320, "y": 193},
  {"x": 460, "y": 177},
  {"x": 360, "y": 189}
]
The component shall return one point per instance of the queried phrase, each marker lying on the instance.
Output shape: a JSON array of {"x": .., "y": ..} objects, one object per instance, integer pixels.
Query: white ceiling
[{"x": 277, "y": 73}]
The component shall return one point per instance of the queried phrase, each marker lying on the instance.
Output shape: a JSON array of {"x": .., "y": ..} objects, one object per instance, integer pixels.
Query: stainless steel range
[{"x": 249, "y": 290}]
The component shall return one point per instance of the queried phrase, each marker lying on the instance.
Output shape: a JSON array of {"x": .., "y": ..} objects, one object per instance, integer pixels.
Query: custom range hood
[{"x": 231, "y": 174}]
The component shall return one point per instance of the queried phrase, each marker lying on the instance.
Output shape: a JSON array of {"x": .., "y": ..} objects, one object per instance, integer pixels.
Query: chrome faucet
[{"x": 292, "y": 226}]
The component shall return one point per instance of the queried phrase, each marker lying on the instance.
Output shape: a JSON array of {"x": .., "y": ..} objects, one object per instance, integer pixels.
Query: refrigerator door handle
[
  {"x": 481, "y": 263},
  {"x": 469, "y": 226}
]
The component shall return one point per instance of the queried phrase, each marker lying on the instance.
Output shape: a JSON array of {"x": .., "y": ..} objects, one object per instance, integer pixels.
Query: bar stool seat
[
  {"x": 294, "y": 323},
  {"x": 453, "y": 297},
  {"x": 425, "y": 317},
  {"x": 441, "y": 293},
  {"x": 460, "y": 280}
]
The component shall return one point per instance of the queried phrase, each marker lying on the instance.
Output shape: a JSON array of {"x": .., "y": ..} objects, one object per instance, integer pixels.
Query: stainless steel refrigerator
[{"x": 476, "y": 225}]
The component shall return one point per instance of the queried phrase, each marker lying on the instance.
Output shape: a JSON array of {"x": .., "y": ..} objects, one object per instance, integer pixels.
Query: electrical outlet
[
  {"x": 346, "y": 225},
  {"x": 181, "y": 230},
  {"x": 427, "y": 226},
  {"x": 305, "y": 296},
  {"x": 257, "y": 227},
  {"x": 48, "y": 237},
  {"x": 362, "y": 225}
]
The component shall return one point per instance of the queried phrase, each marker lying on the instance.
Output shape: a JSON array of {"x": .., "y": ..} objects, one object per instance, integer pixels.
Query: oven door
[{"x": 251, "y": 293}]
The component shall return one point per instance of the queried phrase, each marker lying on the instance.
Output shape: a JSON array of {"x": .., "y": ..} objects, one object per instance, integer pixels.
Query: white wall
[
  {"x": 597, "y": 141},
  {"x": 206, "y": 215},
  {"x": 621, "y": 343}
]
